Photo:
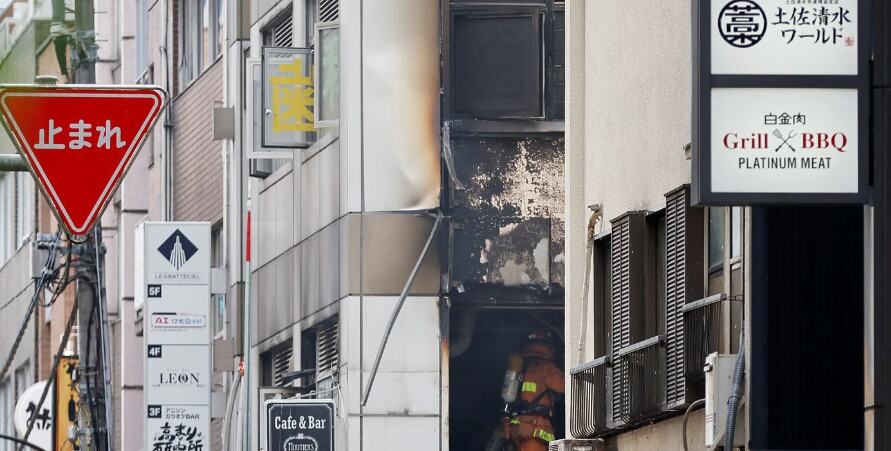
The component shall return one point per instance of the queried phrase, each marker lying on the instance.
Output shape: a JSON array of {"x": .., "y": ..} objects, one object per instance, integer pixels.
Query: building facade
[{"x": 669, "y": 282}]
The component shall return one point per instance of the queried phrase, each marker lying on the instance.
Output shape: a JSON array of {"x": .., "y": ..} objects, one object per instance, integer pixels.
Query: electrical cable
[
  {"x": 58, "y": 357},
  {"x": 44, "y": 275},
  {"x": 21, "y": 442},
  {"x": 692, "y": 406}
]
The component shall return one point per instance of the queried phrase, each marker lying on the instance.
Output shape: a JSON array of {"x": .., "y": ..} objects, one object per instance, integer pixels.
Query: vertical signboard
[
  {"x": 288, "y": 97},
  {"x": 66, "y": 399},
  {"x": 780, "y": 102},
  {"x": 176, "y": 308},
  {"x": 299, "y": 424}
]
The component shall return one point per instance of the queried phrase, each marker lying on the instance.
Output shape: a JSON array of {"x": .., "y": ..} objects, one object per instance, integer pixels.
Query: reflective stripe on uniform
[
  {"x": 530, "y": 387},
  {"x": 543, "y": 434}
]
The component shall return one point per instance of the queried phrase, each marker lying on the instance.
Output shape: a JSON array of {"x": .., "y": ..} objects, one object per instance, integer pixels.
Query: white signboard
[
  {"x": 176, "y": 292},
  {"x": 793, "y": 140},
  {"x": 170, "y": 321},
  {"x": 178, "y": 427},
  {"x": 42, "y": 432},
  {"x": 784, "y": 37}
]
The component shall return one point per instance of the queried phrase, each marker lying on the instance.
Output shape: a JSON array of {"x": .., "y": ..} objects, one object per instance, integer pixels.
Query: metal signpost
[
  {"x": 176, "y": 288},
  {"x": 780, "y": 103},
  {"x": 299, "y": 425}
]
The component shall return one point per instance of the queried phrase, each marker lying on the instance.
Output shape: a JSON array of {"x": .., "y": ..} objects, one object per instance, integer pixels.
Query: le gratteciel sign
[{"x": 780, "y": 102}]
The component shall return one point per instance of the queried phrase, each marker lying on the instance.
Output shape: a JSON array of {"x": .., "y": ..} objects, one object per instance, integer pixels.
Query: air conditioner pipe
[
  {"x": 596, "y": 216},
  {"x": 738, "y": 372}
]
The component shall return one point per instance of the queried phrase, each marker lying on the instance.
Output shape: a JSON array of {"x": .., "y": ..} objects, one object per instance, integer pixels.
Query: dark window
[
  {"x": 497, "y": 64},
  {"x": 600, "y": 298},
  {"x": 507, "y": 61}
]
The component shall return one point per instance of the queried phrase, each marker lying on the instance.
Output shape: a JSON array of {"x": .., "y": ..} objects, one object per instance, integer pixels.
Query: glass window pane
[
  {"x": 204, "y": 50},
  {"x": 735, "y": 231},
  {"x": 715, "y": 238},
  {"x": 329, "y": 74},
  {"x": 220, "y": 40}
]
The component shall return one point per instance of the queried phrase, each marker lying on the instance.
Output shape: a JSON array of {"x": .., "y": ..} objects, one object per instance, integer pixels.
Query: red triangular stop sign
[{"x": 79, "y": 141}]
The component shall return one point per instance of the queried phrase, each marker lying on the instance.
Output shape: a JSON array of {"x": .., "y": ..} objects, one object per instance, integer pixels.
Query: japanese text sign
[
  {"x": 288, "y": 97},
  {"x": 781, "y": 102},
  {"x": 79, "y": 141},
  {"x": 784, "y": 37}
]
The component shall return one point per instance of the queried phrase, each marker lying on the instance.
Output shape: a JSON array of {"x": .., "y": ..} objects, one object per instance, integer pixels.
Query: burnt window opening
[{"x": 507, "y": 62}]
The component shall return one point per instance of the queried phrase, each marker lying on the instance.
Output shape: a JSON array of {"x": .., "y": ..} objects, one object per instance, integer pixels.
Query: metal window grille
[
  {"x": 676, "y": 206},
  {"x": 280, "y": 32},
  {"x": 329, "y": 10},
  {"x": 702, "y": 328},
  {"x": 590, "y": 398},
  {"x": 327, "y": 353},
  {"x": 281, "y": 365},
  {"x": 638, "y": 381}
]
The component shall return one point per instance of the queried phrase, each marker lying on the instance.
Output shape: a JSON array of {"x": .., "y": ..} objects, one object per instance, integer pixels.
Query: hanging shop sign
[
  {"x": 67, "y": 396},
  {"x": 288, "y": 95},
  {"x": 26, "y": 407},
  {"x": 79, "y": 141},
  {"x": 298, "y": 424},
  {"x": 780, "y": 102},
  {"x": 176, "y": 290}
]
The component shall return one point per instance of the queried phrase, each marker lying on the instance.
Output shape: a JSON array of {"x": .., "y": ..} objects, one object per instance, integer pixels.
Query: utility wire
[
  {"x": 44, "y": 276},
  {"x": 53, "y": 369}
]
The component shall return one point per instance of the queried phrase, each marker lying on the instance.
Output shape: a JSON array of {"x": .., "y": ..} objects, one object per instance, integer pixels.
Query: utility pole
[{"x": 95, "y": 417}]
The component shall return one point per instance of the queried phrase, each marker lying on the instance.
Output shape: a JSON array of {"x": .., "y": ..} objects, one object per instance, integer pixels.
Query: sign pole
[{"x": 83, "y": 62}]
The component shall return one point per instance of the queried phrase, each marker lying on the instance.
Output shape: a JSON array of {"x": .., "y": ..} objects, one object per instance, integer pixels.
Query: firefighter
[{"x": 529, "y": 424}]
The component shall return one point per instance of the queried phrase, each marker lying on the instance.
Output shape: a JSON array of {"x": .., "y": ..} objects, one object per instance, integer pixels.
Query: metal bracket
[{"x": 12, "y": 163}]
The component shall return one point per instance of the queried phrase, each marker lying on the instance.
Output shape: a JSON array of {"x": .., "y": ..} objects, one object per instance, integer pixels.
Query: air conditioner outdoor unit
[
  {"x": 576, "y": 445},
  {"x": 718, "y": 387}
]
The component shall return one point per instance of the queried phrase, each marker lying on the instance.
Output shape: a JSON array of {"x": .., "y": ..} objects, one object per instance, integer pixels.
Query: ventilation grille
[
  {"x": 281, "y": 32},
  {"x": 327, "y": 355},
  {"x": 675, "y": 294},
  {"x": 329, "y": 10},
  {"x": 621, "y": 283},
  {"x": 281, "y": 365}
]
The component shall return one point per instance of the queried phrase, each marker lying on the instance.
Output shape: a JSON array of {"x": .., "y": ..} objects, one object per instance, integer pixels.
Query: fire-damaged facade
[{"x": 400, "y": 259}]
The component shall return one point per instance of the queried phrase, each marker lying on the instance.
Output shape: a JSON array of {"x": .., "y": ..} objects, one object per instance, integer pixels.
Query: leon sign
[{"x": 79, "y": 141}]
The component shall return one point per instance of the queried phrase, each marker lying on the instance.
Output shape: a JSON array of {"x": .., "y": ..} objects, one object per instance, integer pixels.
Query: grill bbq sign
[{"x": 780, "y": 102}]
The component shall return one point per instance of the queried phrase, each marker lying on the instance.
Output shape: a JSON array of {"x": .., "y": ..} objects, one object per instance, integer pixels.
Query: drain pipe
[
  {"x": 732, "y": 403},
  {"x": 398, "y": 308},
  {"x": 230, "y": 408}
]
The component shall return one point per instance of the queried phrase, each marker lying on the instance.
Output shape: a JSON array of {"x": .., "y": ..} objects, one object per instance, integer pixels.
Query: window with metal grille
[
  {"x": 637, "y": 349},
  {"x": 329, "y": 10},
  {"x": 279, "y": 32},
  {"x": 275, "y": 364},
  {"x": 320, "y": 351},
  {"x": 683, "y": 284}
]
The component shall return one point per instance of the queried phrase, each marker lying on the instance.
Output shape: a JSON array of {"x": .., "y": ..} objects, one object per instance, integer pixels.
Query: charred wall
[{"x": 507, "y": 214}]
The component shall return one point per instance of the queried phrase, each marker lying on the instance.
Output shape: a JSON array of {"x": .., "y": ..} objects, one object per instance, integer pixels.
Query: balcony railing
[
  {"x": 638, "y": 381},
  {"x": 703, "y": 321},
  {"x": 590, "y": 394}
]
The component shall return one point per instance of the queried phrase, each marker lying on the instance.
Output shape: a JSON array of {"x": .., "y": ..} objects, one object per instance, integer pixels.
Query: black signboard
[{"x": 299, "y": 425}]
